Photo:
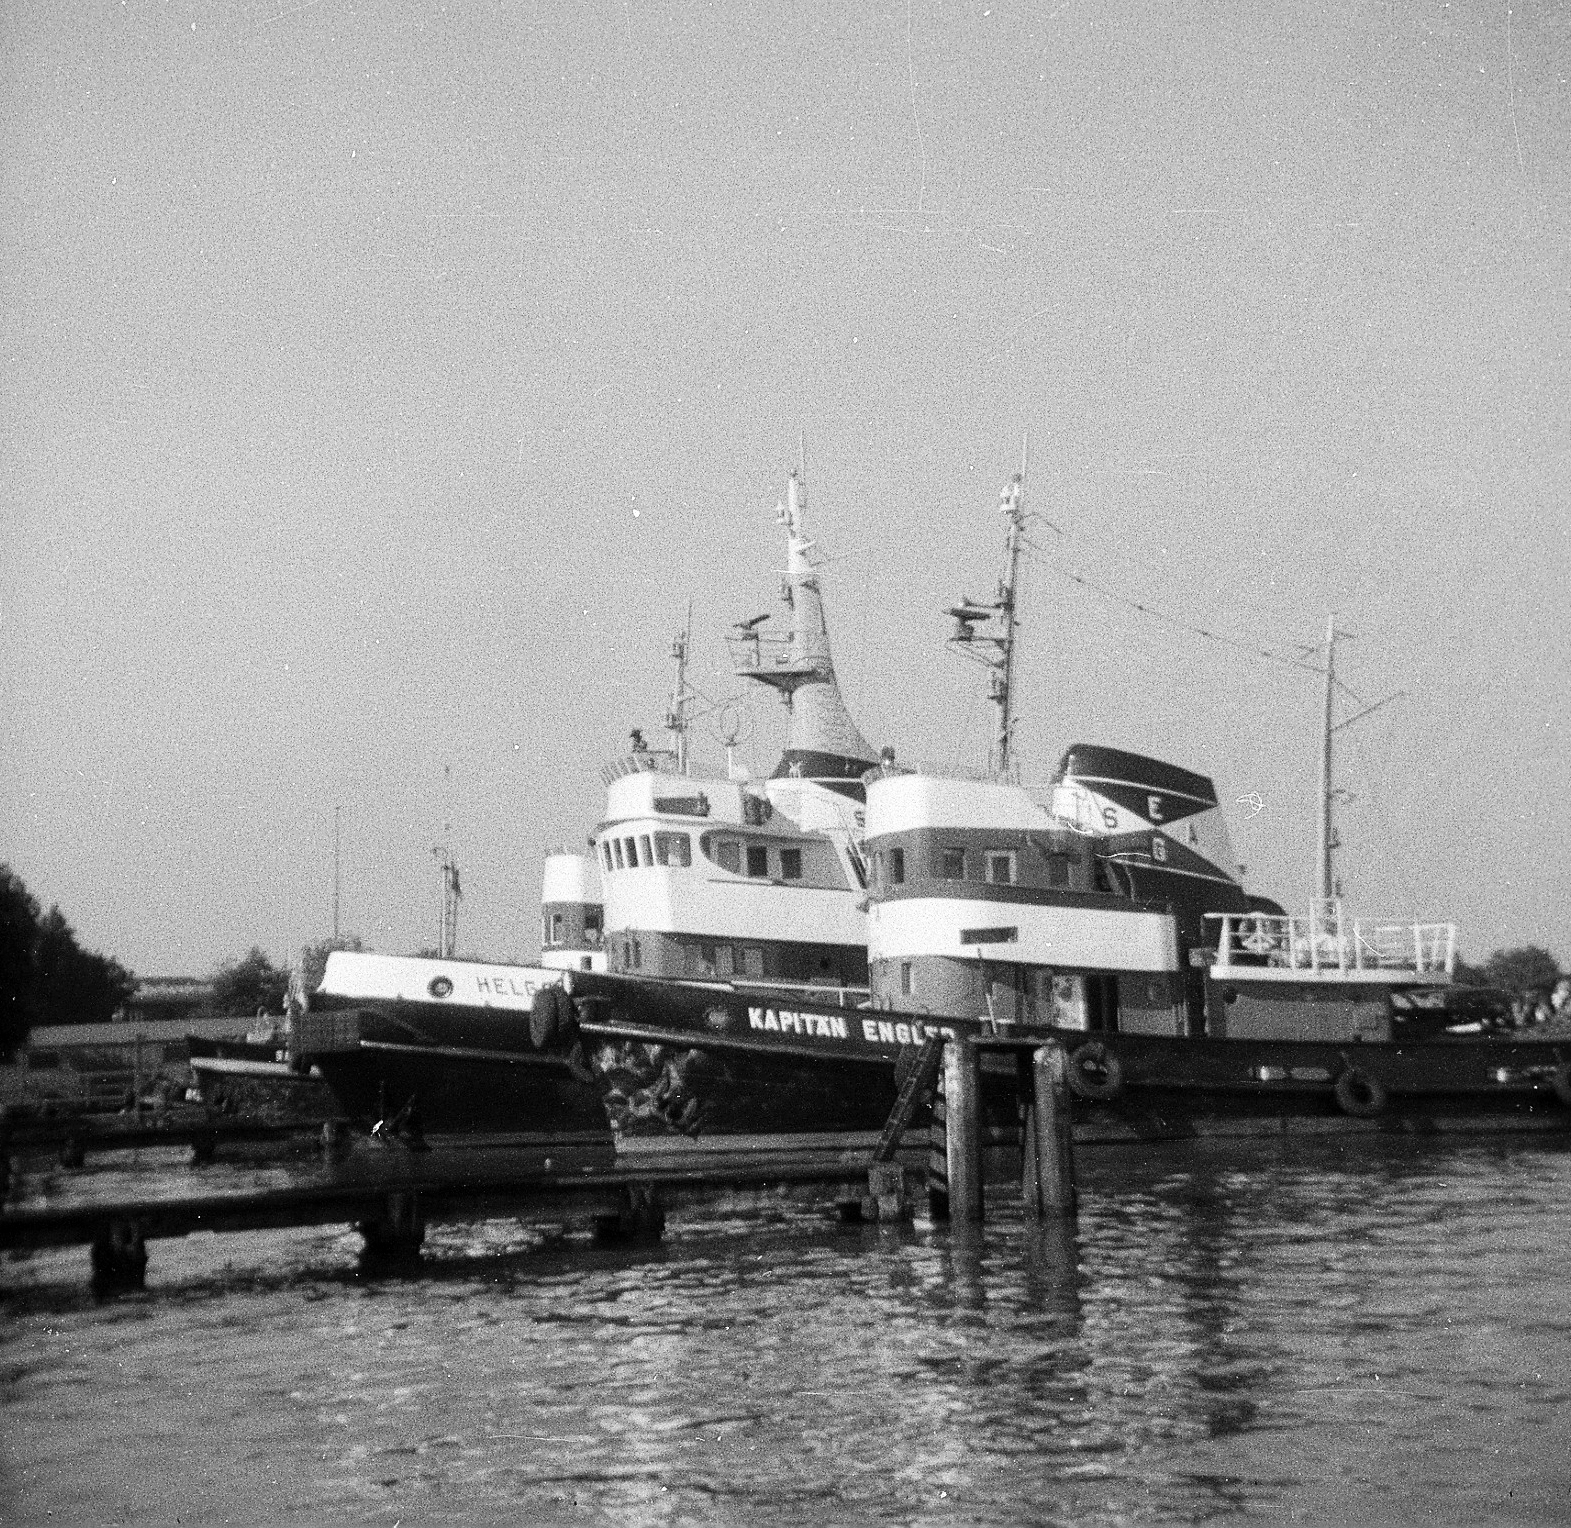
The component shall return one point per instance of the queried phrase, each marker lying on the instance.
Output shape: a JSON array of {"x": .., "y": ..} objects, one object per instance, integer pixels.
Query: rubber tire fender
[
  {"x": 1560, "y": 1081},
  {"x": 544, "y": 1018},
  {"x": 1098, "y": 1055},
  {"x": 1359, "y": 1094}
]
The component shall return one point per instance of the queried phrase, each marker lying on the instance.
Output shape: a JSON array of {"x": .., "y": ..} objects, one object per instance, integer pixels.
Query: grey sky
[{"x": 381, "y": 381}]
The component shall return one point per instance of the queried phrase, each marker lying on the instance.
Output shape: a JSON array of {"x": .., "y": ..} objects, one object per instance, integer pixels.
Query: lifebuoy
[
  {"x": 1560, "y": 1081},
  {"x": 1095, "y": 1072},
  {"x": 1359, "y": 1094},
  {"x": 544, "y": 1018},
  {"x": 1256, "y": 937}
]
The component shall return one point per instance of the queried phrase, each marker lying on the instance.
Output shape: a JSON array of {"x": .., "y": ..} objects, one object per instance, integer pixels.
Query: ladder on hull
[{"x": 919, "y": 1079}]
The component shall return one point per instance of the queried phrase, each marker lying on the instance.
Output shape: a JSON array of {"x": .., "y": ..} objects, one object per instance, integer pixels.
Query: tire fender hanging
[
  {"x": 1359, "y": 1094},
  {"x": 1095, "y": 1072}
]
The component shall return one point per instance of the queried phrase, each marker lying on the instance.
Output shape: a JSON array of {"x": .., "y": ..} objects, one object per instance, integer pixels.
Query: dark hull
[
  {"x": 680, "y": 1059},
  {"x": 677, "y": 1062},
  {"x": 457, "y": 1070}
]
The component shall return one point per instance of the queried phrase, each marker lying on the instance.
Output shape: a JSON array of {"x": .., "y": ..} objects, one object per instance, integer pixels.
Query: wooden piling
[
  {"x": 394, "y": 1237},
  {"x": 1049, "y": 1187},
  {"x": 119, "y": 1258},
  {"x": 963, "y": 1146},
  {"x": 886, "y": 1193}
]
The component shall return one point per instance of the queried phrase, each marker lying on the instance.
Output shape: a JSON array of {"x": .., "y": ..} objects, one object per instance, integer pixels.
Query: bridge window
[
  {"x": 556, "y": 928},
  {"x": 1058, "y": 870},
  {"x": 605, "y": 854},
  {"x": 728, "y": 854},
  {"x": 649, "y": 857},
  {"x": 632, "y": 853},
  {"x": 949, "y": 864},
  {"x": 757, "y": 859},
  {"x": 1001, "y": 867},
  {"x": 897, "y": 866},
  {"x": 673, "y": 849},
  {"x": 752, "y": 961},
  {"x": 905, "y": 978},
  {"x": 616, "y": 845},
  {"x": 791, "y": 864}
]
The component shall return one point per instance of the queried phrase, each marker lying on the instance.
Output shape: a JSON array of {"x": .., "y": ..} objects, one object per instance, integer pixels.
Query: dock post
[
  {"x": 1049, "y": 1186},
  {"x": 640, "y": 1219},
  {"x": 119, "y": 1258},
  {"x": 886, "y": 1193},
  {"x": 962, "y": 1119},
  {"x": 393, "y": 1237}
]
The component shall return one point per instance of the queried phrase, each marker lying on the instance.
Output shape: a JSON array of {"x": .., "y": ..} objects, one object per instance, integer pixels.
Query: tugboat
[
  {"x": 1105, "y": 911},
  {"x": 756, "y": 883},
  {"x": 736, "y": 879}
]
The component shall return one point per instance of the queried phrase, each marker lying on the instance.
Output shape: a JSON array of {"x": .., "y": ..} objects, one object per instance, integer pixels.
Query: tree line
[{"x": 46, "y": 977}]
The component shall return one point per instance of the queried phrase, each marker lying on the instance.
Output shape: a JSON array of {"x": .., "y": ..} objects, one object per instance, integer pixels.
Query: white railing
[{"x": 1329, "y": 942}]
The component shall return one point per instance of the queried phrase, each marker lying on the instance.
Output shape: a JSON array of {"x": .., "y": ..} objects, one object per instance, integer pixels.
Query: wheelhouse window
[
  {"x": 728, "y": 854},
  {"x": 556, "y": 928},
  {"x": 605, "y": 854},
  {"x": 757, "y": 860},
  {"x": 632, "y": 853},
  {"x": 616, "y": 845},
  {"x": 896, "y": 860},
  {"x": 949, "y": 864},
  {"x": 673, "y": 849},
  {"x": 1058, "y": 870},
  {"x": 1001, "y": 867},
  {"x": 905, "y": 978},
  {"x": 649, "y": 854},
  {"x": 790, "y": 864},
  {"x": 752, "y": 961}
]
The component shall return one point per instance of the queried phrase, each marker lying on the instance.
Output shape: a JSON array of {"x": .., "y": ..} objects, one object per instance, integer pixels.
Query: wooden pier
[{"x": 391, "y": 1191}]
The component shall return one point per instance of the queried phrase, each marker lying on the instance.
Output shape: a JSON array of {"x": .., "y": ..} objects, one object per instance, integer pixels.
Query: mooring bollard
[
  {"x": 963, "y": 1143},
  {"x": 1049, "y": 1186}
]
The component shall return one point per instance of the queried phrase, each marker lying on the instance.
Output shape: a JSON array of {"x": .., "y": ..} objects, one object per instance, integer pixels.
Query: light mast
[{"x": 994, "y": 646}]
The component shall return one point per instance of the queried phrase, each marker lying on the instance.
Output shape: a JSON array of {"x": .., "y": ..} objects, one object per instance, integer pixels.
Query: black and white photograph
[{"x": 785, "y": 763}]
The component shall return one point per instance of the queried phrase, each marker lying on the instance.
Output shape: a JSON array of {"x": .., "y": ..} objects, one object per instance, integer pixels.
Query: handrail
[{"x": 1326, "y": 941}]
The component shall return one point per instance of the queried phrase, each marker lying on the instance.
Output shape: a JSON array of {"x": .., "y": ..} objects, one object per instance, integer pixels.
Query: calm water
[{"x": 1381, "y": 1333}]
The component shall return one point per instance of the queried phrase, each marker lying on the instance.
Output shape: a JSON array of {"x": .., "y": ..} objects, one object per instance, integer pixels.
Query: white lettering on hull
[{"x": 822, "y": 1026}]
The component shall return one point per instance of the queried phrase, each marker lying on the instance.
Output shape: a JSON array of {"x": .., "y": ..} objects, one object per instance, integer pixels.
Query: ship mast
[
  {"x": 1326, "y": 888},
  {"x": 1327, "y": 838},
  {"x": 676, "y": 721},
  {"x": 995, "y": 647},
  {"x": 447, "y": 934}
]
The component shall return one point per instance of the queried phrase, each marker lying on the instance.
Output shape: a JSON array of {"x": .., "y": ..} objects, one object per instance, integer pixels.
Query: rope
[{"x": 1253, "y": 646}]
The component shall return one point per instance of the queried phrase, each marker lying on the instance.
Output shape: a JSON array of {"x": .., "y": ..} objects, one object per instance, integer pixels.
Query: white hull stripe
[
  {"x": 460, "y": 983},
  {"x": 1078, "y": 937}
]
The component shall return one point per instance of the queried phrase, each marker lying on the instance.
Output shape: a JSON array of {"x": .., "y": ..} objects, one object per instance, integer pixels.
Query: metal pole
[
  {"x": 1324, "y": 867},
  {"x": 964, "y": 1144},
  {"x": 337, "y": 814}
]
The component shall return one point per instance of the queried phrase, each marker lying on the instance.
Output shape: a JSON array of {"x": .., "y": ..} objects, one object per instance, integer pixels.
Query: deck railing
[{"x": 1327, "y": 941}]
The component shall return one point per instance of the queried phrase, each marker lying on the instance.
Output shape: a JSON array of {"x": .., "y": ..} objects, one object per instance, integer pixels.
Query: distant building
[{"x": 168, "y": 997}]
